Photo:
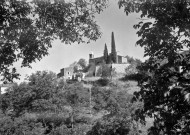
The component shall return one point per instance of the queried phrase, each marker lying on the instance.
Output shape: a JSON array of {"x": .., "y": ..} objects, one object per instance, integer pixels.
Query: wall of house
[
  {"x": 124, "y": 60},
  {"x": 91, "y": 70},
  {"x": 120, "y": 68},
  {"x": 99, "y": 60},
  {"x": 98, "y": 70},
  {"x": 68, "y": 72},
  {"x": 96, "y": 61},
  {"x": 119, "y": 59}
]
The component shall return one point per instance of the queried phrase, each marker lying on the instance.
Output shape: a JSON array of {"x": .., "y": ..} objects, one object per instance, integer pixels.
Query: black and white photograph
[{"x": 94, "y": 67}]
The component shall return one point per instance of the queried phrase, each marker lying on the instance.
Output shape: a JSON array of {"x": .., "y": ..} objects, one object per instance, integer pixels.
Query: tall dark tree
[
  {"x": 106, "y": 54},
  {"x": 113, "y": 49},
  {"x": 164, "y": 33},
  {"x": 110, "y": 59}
]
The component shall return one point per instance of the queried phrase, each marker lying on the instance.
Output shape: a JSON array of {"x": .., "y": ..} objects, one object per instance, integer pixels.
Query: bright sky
[{"x": 111, "y": 19}]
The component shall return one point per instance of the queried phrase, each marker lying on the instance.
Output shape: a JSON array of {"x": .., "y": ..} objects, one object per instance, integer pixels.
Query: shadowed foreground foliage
[
  {"x": 164, "y": 34},
  {"x": 47, "y": 106},
  {"x": 28, "y": 28}
]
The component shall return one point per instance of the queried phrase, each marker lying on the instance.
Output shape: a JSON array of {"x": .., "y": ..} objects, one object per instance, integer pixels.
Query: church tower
[{"x": 91, "y": 55}]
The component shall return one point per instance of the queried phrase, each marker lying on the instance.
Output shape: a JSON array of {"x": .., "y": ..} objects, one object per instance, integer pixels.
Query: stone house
[
  {"x": 66, "y": 73},
  {"x": 69, "y": 73},
  {"x": 98, "y": 60}
]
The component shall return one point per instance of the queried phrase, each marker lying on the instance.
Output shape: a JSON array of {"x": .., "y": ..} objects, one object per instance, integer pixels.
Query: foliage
[
  {"x": 39, "y": 94},
  {"x": 113, "y": 49},
  {"x": 131, "y": 69},
  {"x": 63, "y": 130},
  {"x": 76, "y": 95},
  {"x": 104, "y": 99},
  {"x": 47, "y": 102},
  {"x": 20, "y": 126},
  {"x": 164, "y": 34},
  {"x": 29, "y": 27},
  {"x": 135, "y": 73},
  {"x": 102, "y": 82},
  {"x": 45, "y": 105},
  {"x": 52, "y": 118},
  {"x": 80, "y": 65},
  {"x": 87, "y": 68},
  {"x": 73, "y": 64},
  {"x": 110, "y": 127},
  {"x": 82, "y": 62},
  {"x": 109, "y": 59},
  {"x": 90, "y": 70},
  {"x": 98, "y": 71},
  {"x": 133, "y": 61},
  {"x": 120, "y": 111},
  {"x": 79, "y": 74},
  {"x": 106, "y": 54},
  {"x": 106, "y": 70}
]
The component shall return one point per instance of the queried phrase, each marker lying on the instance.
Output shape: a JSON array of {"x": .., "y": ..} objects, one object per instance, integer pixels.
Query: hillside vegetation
[{"x": 45, "y": 106}]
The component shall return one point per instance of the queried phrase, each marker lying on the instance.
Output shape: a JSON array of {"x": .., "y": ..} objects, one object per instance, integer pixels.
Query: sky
[{"x": 112, "y": 19}]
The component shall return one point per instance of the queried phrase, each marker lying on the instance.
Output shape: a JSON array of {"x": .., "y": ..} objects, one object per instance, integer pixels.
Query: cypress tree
[
  {"x": 113, "y": 49},
  {"x": 109, "y": 59},
  {"x": 106, "y": 54}
]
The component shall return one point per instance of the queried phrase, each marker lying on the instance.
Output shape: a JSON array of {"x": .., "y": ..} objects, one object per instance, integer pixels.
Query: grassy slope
[{"x": 129, "y": 86}]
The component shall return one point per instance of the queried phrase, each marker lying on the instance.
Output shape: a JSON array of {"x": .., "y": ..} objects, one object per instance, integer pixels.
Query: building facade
[
  {"x": 113, "y": 57},
  {"x": 66, "y": 73},
  {"x": 99, "y": 60}
]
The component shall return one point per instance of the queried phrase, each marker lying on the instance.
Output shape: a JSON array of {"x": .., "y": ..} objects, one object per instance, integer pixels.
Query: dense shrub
[
  {"x": 90, "y": 70},
  {"x": 20, "y": 126},
  {"x": 52, "y": 118},
  {"x": 119, "y": 119},
  {"x": 106, "y": 70},
  {"x": 103, "y": 82},
  {"x": 135, "y": 73},
  {"x": 134, "y": 77},
  {"x": 64, "y": 109},
  {"x": 110, "y": 127},
  {"x": 131, "y": 69},
  {"x": 76, "y": 130},
  {"x": 62, "y": 130}
]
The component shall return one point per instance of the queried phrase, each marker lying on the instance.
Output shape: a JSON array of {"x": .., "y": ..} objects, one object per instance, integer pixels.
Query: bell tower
[{"x": 91, "y": 55}]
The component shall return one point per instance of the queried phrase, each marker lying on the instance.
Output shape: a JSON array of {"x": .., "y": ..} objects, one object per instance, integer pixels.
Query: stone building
[
  {"x": 98, "y": 60},
  {"x": 71, "y": 72},
  {"x": 66, "y": 73},
  {"x": 118, "y": 63},
  {"x": 118, "y": 59}
]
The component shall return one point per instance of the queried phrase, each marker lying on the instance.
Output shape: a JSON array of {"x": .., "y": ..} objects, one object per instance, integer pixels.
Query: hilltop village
[
  {"x": 104, "y": 94},
  {"x": 112, "y": 60}
]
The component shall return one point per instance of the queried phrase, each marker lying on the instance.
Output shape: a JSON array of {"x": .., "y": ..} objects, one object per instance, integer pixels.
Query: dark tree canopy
[
  {"x": 106, "y": 54},
  {"x": 164, "y": 33},
  {"x": 83, "y": 63},
  {"x": 27, "y": 28},
  {"x": 133, "y": 61}
]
